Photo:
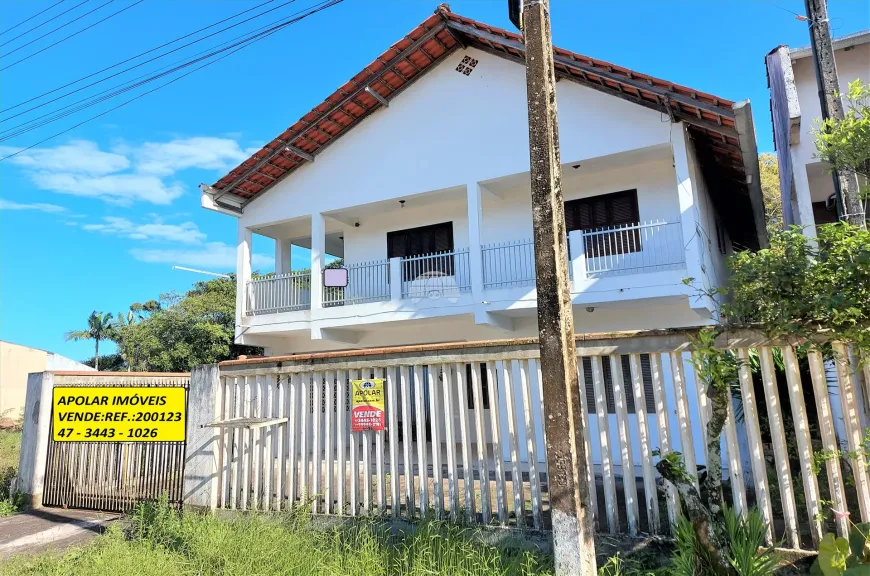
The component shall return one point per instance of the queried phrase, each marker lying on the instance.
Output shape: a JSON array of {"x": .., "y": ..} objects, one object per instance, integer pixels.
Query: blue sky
[{"x": 95, "y": 218}]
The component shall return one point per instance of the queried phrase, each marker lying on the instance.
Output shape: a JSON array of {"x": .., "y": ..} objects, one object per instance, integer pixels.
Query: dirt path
[{"x": 50, "y": 528}]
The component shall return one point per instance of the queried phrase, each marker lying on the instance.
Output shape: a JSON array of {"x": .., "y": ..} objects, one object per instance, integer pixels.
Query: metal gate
[{"x": 114, "y": 476}]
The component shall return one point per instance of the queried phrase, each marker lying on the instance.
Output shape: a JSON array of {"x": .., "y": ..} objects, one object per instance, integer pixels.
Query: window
[
  {"x": 646, "y": 376},
  {"x": 606, "y": 212},
  {"x": 421, "y": 241}
]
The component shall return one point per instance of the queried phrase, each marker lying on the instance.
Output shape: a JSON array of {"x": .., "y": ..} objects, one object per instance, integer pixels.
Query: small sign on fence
[
  {"x": 118, "y": 414},
  {"x": 367, "y": 410}
]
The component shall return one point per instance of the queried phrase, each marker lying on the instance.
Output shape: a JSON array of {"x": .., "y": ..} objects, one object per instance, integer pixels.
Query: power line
[
  {"x": 30, "y": 124},
  {"x": 55, "y": 30},
  {"x": 131, "y": 58},
  {"x": 317, "y": 8},
  {"x": 73, "y": 34},
  {"x": 32, "y": 17},
  {"x": 44, "y": 23},
  {"x": 94, "y": 100}
]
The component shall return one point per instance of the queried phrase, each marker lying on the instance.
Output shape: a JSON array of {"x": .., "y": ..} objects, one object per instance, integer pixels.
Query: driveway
[{"x": 50, "y": 528}]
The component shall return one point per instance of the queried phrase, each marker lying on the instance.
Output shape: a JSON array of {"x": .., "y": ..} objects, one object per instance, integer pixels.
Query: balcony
[{"x": 614, "y": 254}]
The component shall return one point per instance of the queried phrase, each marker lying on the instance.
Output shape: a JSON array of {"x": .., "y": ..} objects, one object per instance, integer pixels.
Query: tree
[
  {"x": 770, "y": 190},
  {"x": 186, "y": 330},
  {"x": 100, "y": 327},
  {"x": 845, "y": 144}
]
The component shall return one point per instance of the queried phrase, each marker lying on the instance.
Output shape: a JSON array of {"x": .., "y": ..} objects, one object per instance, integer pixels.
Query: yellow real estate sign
[
  {"x": 116, "y": 414},
  {"x": 367, "y": 409}
]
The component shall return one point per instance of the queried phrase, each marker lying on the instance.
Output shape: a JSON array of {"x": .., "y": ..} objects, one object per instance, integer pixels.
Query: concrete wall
[{"x": 16, "y": 362}]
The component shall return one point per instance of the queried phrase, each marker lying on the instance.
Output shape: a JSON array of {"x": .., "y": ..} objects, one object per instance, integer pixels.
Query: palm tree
[{"x": 100, "y": 327}]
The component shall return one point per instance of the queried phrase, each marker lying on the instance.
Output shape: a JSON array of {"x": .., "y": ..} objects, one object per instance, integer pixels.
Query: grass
[
  {"x": 164, "y": 542},
  {"x": 10, "y": 447}
]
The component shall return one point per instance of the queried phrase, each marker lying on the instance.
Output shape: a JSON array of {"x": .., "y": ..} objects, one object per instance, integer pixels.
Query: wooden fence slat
[
  {"x": 756, "y": 452},
  {"x": 687, "y": 446},
  {"x": 852, "y": 422},
  {"x": 780, "y": 451},
  {"x": 492, "y": 371},
  {"x": 629, "y": 482},
  {"x": 829, "y": 439},
  {"x": 587, "y": 442},
  {"x": 450, "y": 442},
  {"x": 270, "y": 443},
  {"x": 531, "y": 442},
  {"x": 735, "y": 464},
  {"x": 341, "y": 435},
  {"x": 367, "y": 466},
  {"x": 354, "y": 438},
  {"x": 305, "y": 434},
  {"x": 649, "y": 478},
  {"x": 329, "y": 439},
  {"x": 513, "y": 440},
  {"x": 258, "y": 440},
  {"x": 247, "y": 448},
  {"x": 804, "y": 443},
  {"x": 407, "y": 438},
  {"x": 393, "y": 423},
  {"x": 480, "y": 432},
  {"x": 316, "y": 443},
  {"x": 422, "y": 459},
  {"x": 380, "y": 471},
  {"x": 703, "y": 409},
  {"x": 604, "y": 442},
  {"x": 293, "y": 410},
  {"x": 235, "y": 468},
  {"x": 464, "y": 429},
  {"x": 434, "y": 426},
  {"x": 280, "y": 437}
]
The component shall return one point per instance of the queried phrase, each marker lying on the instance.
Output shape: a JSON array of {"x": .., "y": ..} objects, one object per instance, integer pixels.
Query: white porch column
[
  {"x": 395, "y": 279},
  {"x": 475, "y": 213},
  {"x": 578, "y": 256},
  {"x": 687, "y": 193},
  {"x": 318, "y": 259},
  {"x": 243, "y": 275},
  {"x": 802, "y": 202},
  {"x": 282, "y": 256}
]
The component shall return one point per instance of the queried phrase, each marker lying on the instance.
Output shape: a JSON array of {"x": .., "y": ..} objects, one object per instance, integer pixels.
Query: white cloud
[
  {"x": 166, "y": 158},
  {"x": 77, "y": 156},
  {"x": 121, "y": 189},
  {"x": 215, "y": 256},
  {"x": 185, "y": 233},
  {"x": 129, "y": 173},
  {"x": 52, "y": 208}
]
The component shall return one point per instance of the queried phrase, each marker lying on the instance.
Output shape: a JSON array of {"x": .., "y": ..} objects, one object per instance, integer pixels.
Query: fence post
[
  {"x": 578, "y": 255},
  {"x": 203, "y": 444},
  {"x": 395, "y": 279},
  {"x": 34, "y": 438}
]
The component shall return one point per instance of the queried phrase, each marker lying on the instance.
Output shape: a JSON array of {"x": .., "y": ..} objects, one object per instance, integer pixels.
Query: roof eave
[{"x": 749, "y": 153}]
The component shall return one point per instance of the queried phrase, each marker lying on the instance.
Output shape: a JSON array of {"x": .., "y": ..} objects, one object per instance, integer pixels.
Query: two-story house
[
  {"x": 416, "y": 174},
  {"x": 805, "y": 181}
]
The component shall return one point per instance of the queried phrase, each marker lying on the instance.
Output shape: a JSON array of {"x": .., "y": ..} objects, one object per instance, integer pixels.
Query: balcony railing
[
  {"x": 436, "y": 276},
  {"x": 508, "y": 264},
  {"x": 280, "y": 293},
  {"x": 366, "y": 282},
  {"x": 632, "y": 249}
]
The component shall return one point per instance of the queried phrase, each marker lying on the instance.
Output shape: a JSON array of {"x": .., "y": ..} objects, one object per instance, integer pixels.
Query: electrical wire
[
  {"x": 31, "y": 18},
  {"x": 134, "y": 58},
  {"x": 123, "y": 84},
  {"x": 73, "y": 34},
  {"x": 313, "y": 10},
  {"x": 127, "y": 88},
  {"x": 44, "y": 23},
  {"x": 53, "y": 31}
]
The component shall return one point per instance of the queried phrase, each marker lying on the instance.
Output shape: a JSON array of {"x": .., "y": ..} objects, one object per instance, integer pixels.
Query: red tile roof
[{"x": 711, "y": 119}]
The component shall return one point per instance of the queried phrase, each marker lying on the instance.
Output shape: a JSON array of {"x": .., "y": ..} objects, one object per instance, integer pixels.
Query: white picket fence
[{"x": 465, "y": 438}]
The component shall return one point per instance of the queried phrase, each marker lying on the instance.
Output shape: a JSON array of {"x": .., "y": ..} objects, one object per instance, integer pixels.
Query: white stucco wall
[{"x": 449, "y": 130}]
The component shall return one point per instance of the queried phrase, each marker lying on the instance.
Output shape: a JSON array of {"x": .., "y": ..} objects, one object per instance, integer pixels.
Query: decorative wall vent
[{"x": 467, "y": 65}]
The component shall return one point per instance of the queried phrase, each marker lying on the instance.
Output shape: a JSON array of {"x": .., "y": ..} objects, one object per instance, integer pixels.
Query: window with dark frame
[
  {"x": 432, "y": 239},
  {"x": 607, "y": 377},
  {"x": 605, "y": 212}
]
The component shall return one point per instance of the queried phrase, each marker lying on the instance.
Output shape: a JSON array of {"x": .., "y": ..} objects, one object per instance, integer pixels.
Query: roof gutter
[
  {"x": 749, "y": 152},
  {"x": 223, "y": 206}
]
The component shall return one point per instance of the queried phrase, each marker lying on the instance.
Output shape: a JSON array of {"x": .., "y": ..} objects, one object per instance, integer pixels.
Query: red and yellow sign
[{"x": 367, "y": 408}]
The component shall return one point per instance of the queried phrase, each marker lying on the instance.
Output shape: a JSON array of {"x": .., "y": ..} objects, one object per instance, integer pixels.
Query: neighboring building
[
  {"x": 416, "y": 173},
  {"x": 806, "y": 183},
  {"x": 16, "y": 362}
]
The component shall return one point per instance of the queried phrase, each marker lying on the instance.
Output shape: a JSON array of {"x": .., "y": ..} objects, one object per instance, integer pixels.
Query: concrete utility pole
[
  {"x": 573, "y": 528},
  {"x": 849, "y": 206}
]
